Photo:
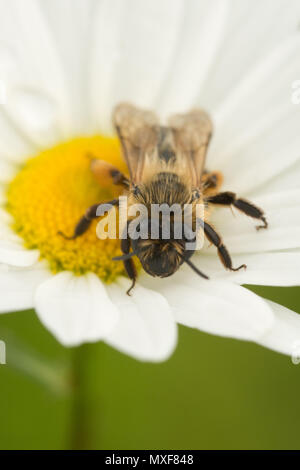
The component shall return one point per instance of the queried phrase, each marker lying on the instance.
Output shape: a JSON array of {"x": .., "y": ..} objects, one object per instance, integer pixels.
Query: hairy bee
[{"x": 166, "y": 165}]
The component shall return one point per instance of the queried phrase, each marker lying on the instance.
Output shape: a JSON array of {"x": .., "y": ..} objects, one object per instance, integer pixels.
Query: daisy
[{"x": 65, "y": 64}]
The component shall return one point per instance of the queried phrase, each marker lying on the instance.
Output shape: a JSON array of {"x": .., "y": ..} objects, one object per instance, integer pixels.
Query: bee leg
[
  {"x": 119, "y": 179},
  {"x": 211, "y": 181},
  {"x": 228, "y": 199},
  {"x": 85, "y": 221},
  {"x": 104, "y": 170},
  {"x": 216, "y": 240},
  {"x": 129, "y": 263}
]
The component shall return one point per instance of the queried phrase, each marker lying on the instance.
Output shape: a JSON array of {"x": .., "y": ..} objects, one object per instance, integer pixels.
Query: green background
[{"x": 214, "y": 393}]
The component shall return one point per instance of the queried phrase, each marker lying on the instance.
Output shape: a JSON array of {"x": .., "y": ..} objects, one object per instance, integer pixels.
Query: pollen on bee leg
[
  {"x": 50, "y": 194},
  {"x": 212, "y": 182}
]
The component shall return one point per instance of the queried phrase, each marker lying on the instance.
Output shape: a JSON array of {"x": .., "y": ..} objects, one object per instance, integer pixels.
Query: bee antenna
[
  {"x": 194, "y": 268},
  {"x": 124, "y": 257}
]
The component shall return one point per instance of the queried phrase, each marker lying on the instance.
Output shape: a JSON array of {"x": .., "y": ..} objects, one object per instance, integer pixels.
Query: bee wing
[
  {"x": 138, "y": 132},
  {"x": 192, "y": 133}
]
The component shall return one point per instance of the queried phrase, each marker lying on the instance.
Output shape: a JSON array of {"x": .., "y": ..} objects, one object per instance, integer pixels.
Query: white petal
[
  {"x": 36, "y": 100},
  {"x": 70, "y": 22},
  {"x": 199, "y": 40},
  {"x": 253, "y": 29},
  {"x": 267, "y": 269},
  {"x": 217, "y": 307},
  {"x": 284, "y": 336},
  {"x": 272, "y": 240},
  {"x": 272, "y": 201},
  {"x": 75, "y": 309},
  {"x": 13, "y": 145},
  {"x": 7, "y": 170},
  {"x": 258, "y": 125},
  {"x": 18, "y": 286},
  {"x": 286, "y": 180},
  {"x": 147, "y": 329},
  {"x": 132, "y": 50},
  {"x": 14, "y": 254}
]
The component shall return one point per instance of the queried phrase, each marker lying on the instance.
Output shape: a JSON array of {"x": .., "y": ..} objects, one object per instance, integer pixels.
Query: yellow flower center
[{"x": 52, "y": 191}]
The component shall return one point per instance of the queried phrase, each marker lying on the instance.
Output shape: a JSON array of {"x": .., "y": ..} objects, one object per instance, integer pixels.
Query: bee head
[
  {"x": 159, "y": 257},
  {"x": 163, "y": 255}
]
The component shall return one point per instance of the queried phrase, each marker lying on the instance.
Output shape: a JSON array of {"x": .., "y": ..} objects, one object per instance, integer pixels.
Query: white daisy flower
[{"x": 64, "y": 64}]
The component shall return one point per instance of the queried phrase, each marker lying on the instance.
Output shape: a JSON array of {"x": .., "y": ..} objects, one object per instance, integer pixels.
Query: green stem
[{"x": 80, "y": 425}]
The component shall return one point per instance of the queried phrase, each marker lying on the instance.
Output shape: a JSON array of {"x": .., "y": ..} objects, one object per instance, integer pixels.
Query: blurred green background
[{"x": 214, "y": 393}]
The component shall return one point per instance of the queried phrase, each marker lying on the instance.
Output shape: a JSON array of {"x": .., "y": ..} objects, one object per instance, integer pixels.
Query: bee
[{"x": 166, "y": 165}]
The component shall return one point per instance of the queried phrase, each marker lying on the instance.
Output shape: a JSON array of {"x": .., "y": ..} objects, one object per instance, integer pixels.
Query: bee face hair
[{"x": 159, "y": 257}]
